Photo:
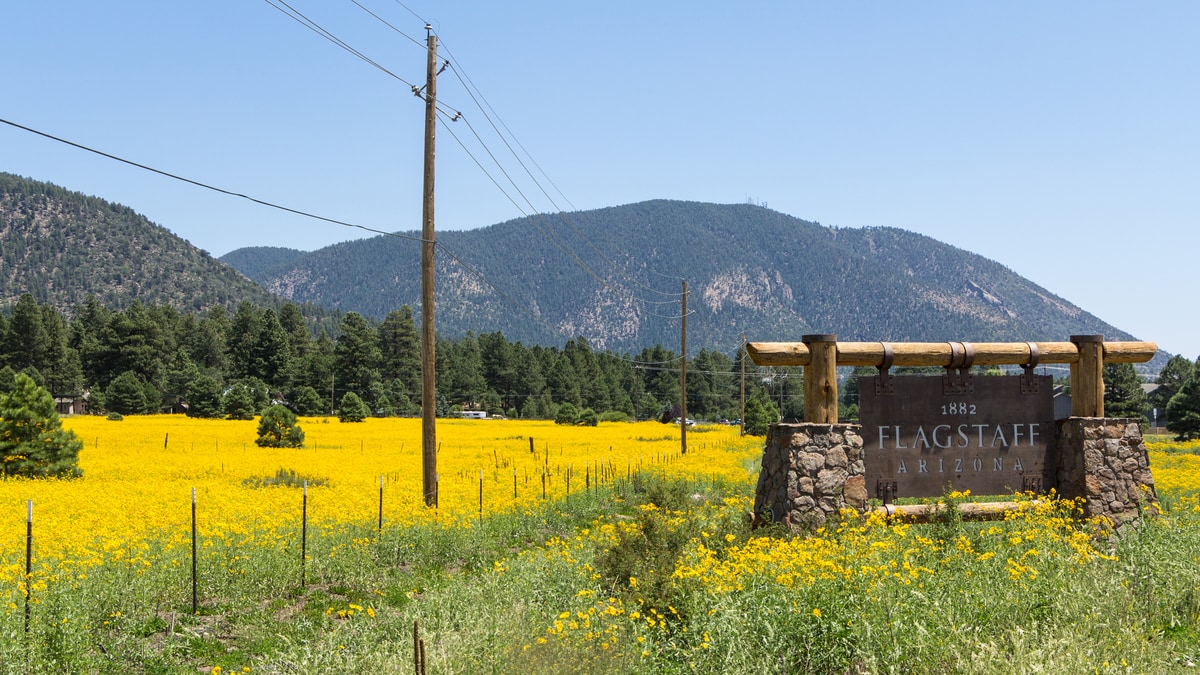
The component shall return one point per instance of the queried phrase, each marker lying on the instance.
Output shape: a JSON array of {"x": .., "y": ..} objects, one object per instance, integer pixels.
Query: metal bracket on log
[
  {"x": 886, "y": 490},
  {"x": 957, "y": 380},
  {"x": 1029, "y": 381},
  {"x": 885, "y": 383}
]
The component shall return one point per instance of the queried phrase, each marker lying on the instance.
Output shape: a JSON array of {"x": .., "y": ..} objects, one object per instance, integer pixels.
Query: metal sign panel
[{"x": 987, "y": 434}]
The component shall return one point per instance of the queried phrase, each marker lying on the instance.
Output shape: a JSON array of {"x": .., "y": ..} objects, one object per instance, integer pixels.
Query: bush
[
  {"x": 115, "y": 417},
  {"x": 614, "y": 416},
  {"x": 567, "y": 414},
  {"x": 588, "y": 418},
  {"x": 32, "y": 440},
  {"x": 278, "y": 429},
  {"x": 352, "y": 408},
  {"x": 285, "y": 478}
]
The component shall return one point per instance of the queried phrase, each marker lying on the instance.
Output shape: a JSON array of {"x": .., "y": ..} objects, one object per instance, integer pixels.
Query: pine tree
[
  {"x": 1123, "y": 393},
  {"x": 126, "y": 394},
  {"x": 238, "y": 403},
  {"x": 356, "y": 355},
  {"x": 278, "y": 429},
  {"x": 1183, "y": 410},
  {"x": 32, "y": 440},
  {"x": 352, "y": 408},
  {"x": 204, "y": 397}
]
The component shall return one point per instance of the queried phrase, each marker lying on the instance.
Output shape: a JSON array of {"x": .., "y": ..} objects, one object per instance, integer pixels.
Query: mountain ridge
[{"x": 613, "y": 275}]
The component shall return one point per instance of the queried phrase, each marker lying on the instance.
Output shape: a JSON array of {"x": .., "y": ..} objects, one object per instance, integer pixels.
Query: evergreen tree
[
  {"x": 61, "y": 363},
  {"x": 272, "y": 351},
  {"x": 32, "y": 440},
  {"x": 238, "y": 403},
  {"x": 296, "y": 328},
  {"x": 352, "y": 409},
  {"x": 241, "y": 341},
  {"x": 308, "y": 402},
  {"x": 8, "y": 379},
  {"x": 26, "y": 342},
  {"x": 204, "y": 397},
  {"x": 126, "y": 394},
  {"x": 1123, "y": 393},
  {"x": 356, "y": 356},
  {"x": 761, "y": 413},
  {"x": 1183, "y": 411},
  {"x": 400, "y": 348},
  {"x": 278, "y": 429},
  {"x": 206, "y": 344},
  {"x": 464, "y": 383},
  {"x": 1170, "y": 379}
]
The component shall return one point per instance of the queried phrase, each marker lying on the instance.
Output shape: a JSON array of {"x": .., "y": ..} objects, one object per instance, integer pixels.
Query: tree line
[{"x": 154, "y": 358}]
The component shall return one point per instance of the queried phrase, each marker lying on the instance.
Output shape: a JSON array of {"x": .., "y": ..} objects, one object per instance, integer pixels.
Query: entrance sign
[{"x": 986, "y": 434}]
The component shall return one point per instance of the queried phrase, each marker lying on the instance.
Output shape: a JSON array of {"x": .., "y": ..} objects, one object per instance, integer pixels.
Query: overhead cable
[{"x": 206, "y": 185}]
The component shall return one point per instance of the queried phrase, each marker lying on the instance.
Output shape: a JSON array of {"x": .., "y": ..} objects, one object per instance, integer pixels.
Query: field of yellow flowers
[
  {"x": 139, "y": 474},
  {"x": 634, "y": 558}
]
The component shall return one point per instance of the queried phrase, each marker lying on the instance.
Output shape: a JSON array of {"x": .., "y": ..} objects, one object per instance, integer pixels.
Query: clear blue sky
[{"x": 1061, "y": 139}]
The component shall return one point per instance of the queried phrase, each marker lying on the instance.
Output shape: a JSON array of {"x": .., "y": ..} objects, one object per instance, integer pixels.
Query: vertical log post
[
  {"x": 820, "y": 379},
  {"x": 1087, "y": 377}
]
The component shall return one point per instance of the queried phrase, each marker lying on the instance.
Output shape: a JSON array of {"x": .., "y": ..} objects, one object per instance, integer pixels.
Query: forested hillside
[
  {"x": 62, "y": 246},
  {"x": 613, "y": 276},
  {"x": 154, "y": 358},
  {"x": 260, "y": 262}
]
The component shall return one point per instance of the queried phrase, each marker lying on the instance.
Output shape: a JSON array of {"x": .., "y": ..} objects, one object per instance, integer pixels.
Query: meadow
[{"x": 631, "y": 558}]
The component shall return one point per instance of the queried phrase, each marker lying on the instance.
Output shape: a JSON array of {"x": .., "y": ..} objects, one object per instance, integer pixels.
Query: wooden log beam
[
  {"x": 940, "y": 353},
  {"x": 928, "y": 513}
]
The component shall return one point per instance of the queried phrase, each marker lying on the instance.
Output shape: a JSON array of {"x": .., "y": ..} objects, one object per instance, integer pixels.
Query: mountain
[
  {"x": 60, "y": 246},
  {"x": 614, "y": 276},
  {"x": 260, "y": 262}
]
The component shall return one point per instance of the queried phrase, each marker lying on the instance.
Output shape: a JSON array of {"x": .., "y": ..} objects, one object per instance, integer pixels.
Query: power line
[
  {"x": 455, "y": 69},
  {"x": 206, "y": 186},
  {"x": 547, "y": 228},
  {"x": 315, "y": 27}
]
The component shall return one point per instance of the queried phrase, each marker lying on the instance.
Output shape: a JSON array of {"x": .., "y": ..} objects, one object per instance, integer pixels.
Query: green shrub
[
  {"x": 114, "y": 417},
  {"x": 286, "y": 478},
  {"x": 567, "y": 414},
  {"x": 278, "y": 429},
  {"x": 352, "y": 408}
]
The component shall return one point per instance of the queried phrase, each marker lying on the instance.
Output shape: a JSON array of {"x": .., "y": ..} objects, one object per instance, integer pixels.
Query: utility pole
[
  {"x": 683, "y": 379},
  {"x": 742, "y": 358},
  {"x": 428, "y": 370}
]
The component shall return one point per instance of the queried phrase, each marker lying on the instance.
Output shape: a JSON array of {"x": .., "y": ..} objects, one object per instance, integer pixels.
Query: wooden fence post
[
  {"x": 1087, "y": 377},
  {"x": 820, "y": 379}
]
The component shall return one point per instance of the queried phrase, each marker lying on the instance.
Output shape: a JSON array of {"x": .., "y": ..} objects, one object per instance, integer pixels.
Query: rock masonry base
[{"x": 811, "y": 471}]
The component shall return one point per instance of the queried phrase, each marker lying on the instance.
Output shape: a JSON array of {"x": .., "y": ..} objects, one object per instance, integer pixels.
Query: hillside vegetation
[
  {"x": 62, "y": 246},
  {"x": 613, "y": 276}
]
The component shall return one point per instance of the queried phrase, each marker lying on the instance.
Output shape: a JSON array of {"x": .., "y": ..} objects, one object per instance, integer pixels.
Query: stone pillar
[
  {"x": 1104, "y": 460},
  {"x": 810, "y": 472}
]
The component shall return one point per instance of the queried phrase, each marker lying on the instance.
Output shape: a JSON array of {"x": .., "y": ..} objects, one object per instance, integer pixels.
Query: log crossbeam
[
  {"x": 1086, "y": 354},
  {"x": 940, "y": 353}
]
